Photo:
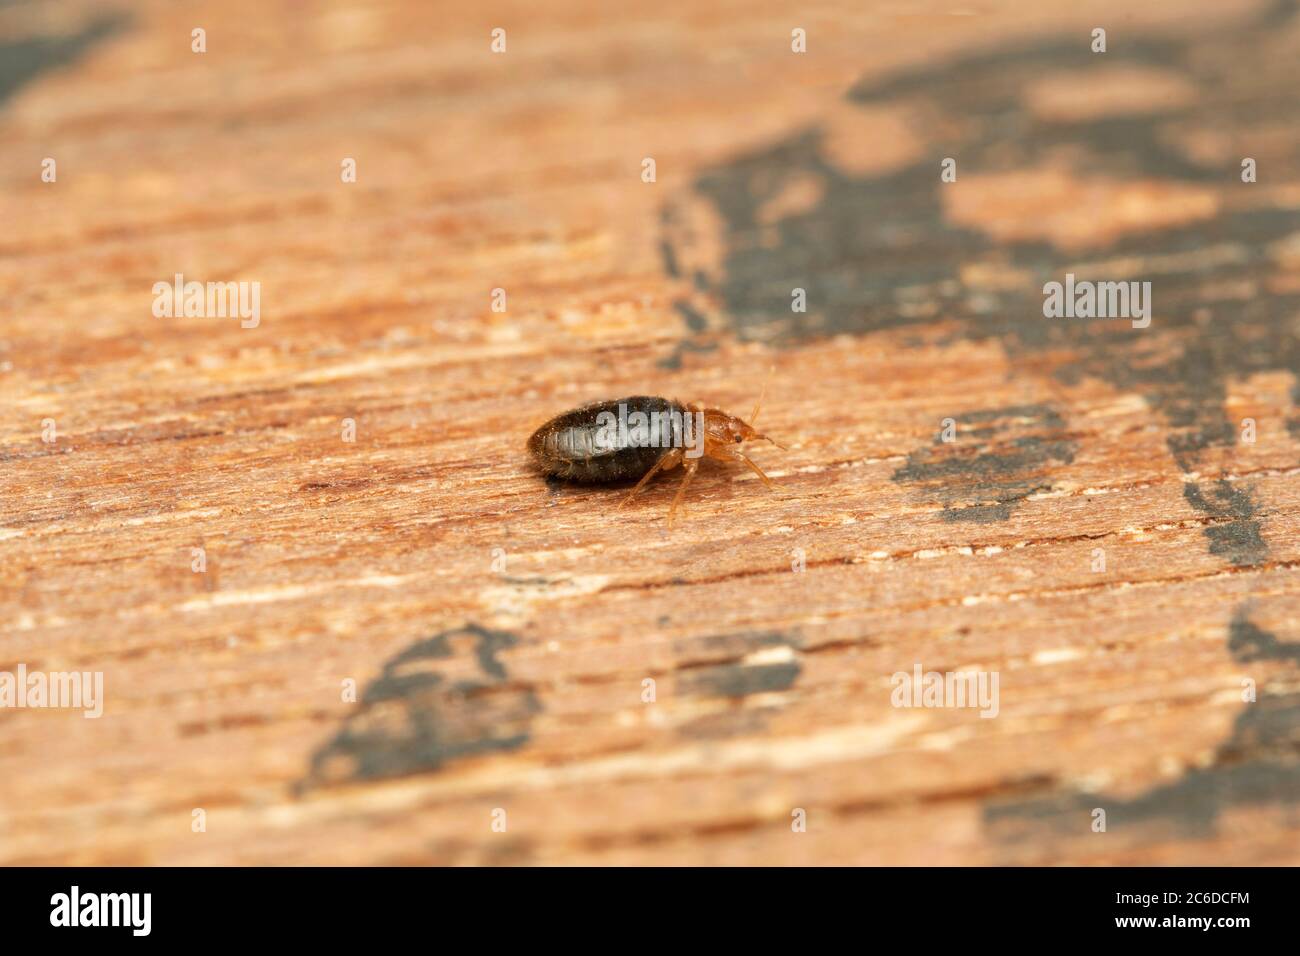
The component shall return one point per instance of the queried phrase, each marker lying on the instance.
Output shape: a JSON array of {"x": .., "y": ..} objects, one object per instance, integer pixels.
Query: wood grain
[{"x": 500, "y": 629}]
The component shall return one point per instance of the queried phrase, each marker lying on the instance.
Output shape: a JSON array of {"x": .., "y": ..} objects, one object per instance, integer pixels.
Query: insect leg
[
  {"x": 691, "y": 467},
  {"x": 740, "y": 456},
  {"x": 668, "y": 461}
]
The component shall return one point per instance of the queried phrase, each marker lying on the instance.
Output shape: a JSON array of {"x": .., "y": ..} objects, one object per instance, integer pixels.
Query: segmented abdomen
[{"x": 568, "y": 446}]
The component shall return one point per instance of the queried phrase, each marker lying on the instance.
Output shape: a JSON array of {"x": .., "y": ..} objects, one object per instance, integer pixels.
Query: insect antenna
[
  {"x": 762, "y": 393},
  {"x": 753, "y": 417}
]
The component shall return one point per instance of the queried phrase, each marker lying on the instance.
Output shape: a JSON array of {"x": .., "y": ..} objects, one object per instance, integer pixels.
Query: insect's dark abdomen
[{"x": 566, "y": 446}]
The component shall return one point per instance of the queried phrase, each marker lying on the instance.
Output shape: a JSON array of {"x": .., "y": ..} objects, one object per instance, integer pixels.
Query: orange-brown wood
[{"x": 1100, "y": 533}]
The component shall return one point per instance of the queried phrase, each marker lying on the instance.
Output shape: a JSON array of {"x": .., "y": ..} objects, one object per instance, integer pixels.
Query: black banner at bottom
[{"x": 335, "y": 906}]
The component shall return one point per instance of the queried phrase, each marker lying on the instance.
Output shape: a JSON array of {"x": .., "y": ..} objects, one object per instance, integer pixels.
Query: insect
[{"x": 585, "y": 446}]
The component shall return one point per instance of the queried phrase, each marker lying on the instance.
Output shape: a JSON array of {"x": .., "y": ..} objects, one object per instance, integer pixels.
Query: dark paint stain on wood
[
  {"x": 22, "y": 61},
  {"x": 721, "y": 668},
  {"x": 1248, "y": 642},
  {"x": 730, "y": 647},
  {"x": 739, "y": 680},
  {"x": 990, "y": 468},
  {"x": 1259, "y": 764},
  {"x": 1239, "y": 538},
  {"x": 876, "y": 252},
  {"x": 417, "y": 714}
]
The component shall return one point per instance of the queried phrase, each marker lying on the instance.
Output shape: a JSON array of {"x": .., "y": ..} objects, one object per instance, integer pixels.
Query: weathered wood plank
[{"x": 499, "y": 629}]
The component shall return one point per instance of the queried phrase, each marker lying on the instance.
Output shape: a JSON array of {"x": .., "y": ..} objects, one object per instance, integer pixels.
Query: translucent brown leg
[
  {"x": 755, "y": 469},
  {"x": 668, "y": 461},
  {"x": 691, "y": 467}
]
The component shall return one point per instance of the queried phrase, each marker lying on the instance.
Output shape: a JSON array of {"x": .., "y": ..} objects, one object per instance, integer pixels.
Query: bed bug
[{"x": 585, "y": 445}]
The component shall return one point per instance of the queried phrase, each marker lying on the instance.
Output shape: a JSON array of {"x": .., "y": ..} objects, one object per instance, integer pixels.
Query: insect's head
[{"x": 721, "y": 428}]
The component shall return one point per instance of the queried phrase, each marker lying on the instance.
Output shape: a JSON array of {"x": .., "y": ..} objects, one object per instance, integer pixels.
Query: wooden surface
[{"x": 499, "y": 629}]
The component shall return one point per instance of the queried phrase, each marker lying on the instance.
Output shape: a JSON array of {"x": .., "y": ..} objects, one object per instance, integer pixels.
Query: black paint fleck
[
  {"x": 992, "y": 467},
  {"x": 1239, "y": 538},
  {"x": 1258, "y": 764},
  {"x": 716, "y": 669},
  {"x": 418, "y": 714},
  {"x": 739, "y": 680},
  {"x": 22, "y": 61},
  {"x": 878, "y": 253}
]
